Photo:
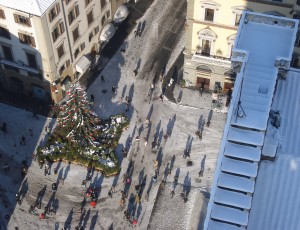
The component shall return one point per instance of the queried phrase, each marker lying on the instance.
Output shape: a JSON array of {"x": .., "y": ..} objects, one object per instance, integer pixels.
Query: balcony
[
  {"x": 204, "y": 57},
  {"x": 32, "y": 72}
]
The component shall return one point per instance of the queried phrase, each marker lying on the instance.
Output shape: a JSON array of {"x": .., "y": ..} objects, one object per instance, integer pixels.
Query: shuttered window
[
  {"x": 58, "y": 30},
  {"x": 22, "y": 20},
  {"x": 26, "y": 39},
  {"x": 60, "y": 50},
  {"x": 90, "y": 17},
  {"x": 73, "y": 14},
  {"x": 54, "y": 12},
  {"x": 2, "y": 14}
]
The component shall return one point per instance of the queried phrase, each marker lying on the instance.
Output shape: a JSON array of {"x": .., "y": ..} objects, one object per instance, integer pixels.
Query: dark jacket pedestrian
[
  {"x": 113, "y": 89},
  {"x": 102, "y": 79},
  {"x": 92, "y": 98},
  {"x": 110, "y": 193},
  {"x": 161, "y": 97}
]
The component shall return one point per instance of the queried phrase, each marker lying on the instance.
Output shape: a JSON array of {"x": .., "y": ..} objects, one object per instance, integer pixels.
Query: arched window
[
  {"x": 207, "y": 38},
  {"x": 237, "y": 14},
  {"x": 204, "y": 68},
  {"x": 230, "y": 41}
]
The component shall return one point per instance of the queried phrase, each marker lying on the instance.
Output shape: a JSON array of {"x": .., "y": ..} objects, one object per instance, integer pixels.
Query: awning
[
  {"x": 121, "y": 13},
  {"x": 107, "y": 32},
  {"x": 82, "y": 65}
]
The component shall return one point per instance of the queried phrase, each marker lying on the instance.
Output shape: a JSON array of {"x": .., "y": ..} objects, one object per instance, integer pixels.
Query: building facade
[
  {"x": 211, "y": 29},
  {"x": 47, "y": 44}
]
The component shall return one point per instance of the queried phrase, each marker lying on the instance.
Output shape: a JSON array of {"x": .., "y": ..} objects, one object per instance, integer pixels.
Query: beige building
[
  {"x": 46, "y": 44},
  {"x": 211, "y": 28}
]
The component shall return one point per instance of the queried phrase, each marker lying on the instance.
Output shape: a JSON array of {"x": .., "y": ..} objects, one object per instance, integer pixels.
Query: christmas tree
[
  {"x": 77, "y": 119},
  {"x": 81, "y": 136}
]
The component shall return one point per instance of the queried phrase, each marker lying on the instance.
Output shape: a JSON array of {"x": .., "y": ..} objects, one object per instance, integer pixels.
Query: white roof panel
[
  {"x": 242, "y": 151},
  {"x": 246, "y": 136},
  {"x": 236, "y": 182},
  {"x": 239, "y": 167},
  {"x": 230, "y": 215},
  {"x": 233, "y": 198},
  {"x": 214, "y": 225},
  {"x": 35, "y": 7}
]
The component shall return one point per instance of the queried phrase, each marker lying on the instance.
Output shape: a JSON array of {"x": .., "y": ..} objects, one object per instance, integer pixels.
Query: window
[
  {"x": 31, "y": 60},
  {"x": 91, "y": 35},
  {"x": 76, "y": 52},
  {"x": 58, "y": 30},
  {"x": 26, "y": 39},
  {"x": 209, "y": 15},
  {"x": 90, "y": 17},
  {"x": 108, "y": 14},
  {"x": 88, "y": 2},
  {"x": 68, "y": 63},
  {"x": 75, "y": 34},
  {"x": 68, "y": 1},
  {"x": 61, "y": 69},
  {"x": 82, "y": 46},
  {"x": 96, "y": 30},
  {"x": 103, "y": 20},
  {"x": 237, "y": 19},
  {"x": 206, "y": 45},
  {"x": 22, "y": 20},
  {"x": 60, "y": 50},
  {"x": 103, "y": 3},
  {"x": 4, "y": 33},
  {"x": 54, "y": 12},
  {"x": 7, "y": 53},
  {"x": 2, "y": 14},
  {"x": 73, "y": 14}
]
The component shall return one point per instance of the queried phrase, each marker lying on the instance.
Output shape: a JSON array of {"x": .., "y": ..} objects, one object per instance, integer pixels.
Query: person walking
[
  {"x": 102, "y": 79},
  {"x": 110, "y": 193},
  {"x": 92, "y": 98},
  {"x": 113, "y": 89}
]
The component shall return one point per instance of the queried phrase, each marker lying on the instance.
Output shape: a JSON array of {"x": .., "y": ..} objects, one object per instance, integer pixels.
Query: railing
[
  {"x": 269, "y": 20},
  {"x": 212, "y": 59}
]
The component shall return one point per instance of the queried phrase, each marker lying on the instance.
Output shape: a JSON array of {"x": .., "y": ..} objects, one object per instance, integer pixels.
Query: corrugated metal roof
[{"x": 35, "y": 7}]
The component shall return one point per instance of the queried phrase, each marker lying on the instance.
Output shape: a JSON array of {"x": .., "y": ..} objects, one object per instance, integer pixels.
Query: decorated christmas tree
[
  {"x": 82, "y": 136},
  {"x": 77, "y": 119}
]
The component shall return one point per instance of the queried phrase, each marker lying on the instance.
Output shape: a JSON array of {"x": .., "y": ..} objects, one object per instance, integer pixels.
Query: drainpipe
[{"x": 67, "y": 31}]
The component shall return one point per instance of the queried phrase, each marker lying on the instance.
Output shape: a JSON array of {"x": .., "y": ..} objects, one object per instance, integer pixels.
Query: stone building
[
  {"x": 211, "y": 28},
  {"x": 47, "y": 44}
]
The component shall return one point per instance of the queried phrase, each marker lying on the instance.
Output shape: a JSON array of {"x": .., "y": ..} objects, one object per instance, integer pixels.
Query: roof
[
  {"x": 35, "y": 7},
  {"x": 276, "y": 200},
  {"x": 262, "y": 49}
]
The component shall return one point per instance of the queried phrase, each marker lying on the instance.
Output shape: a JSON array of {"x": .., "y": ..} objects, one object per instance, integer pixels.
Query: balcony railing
[
  {"x": 32, "y": 72},
  {"x": 211, "y": 59}
]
